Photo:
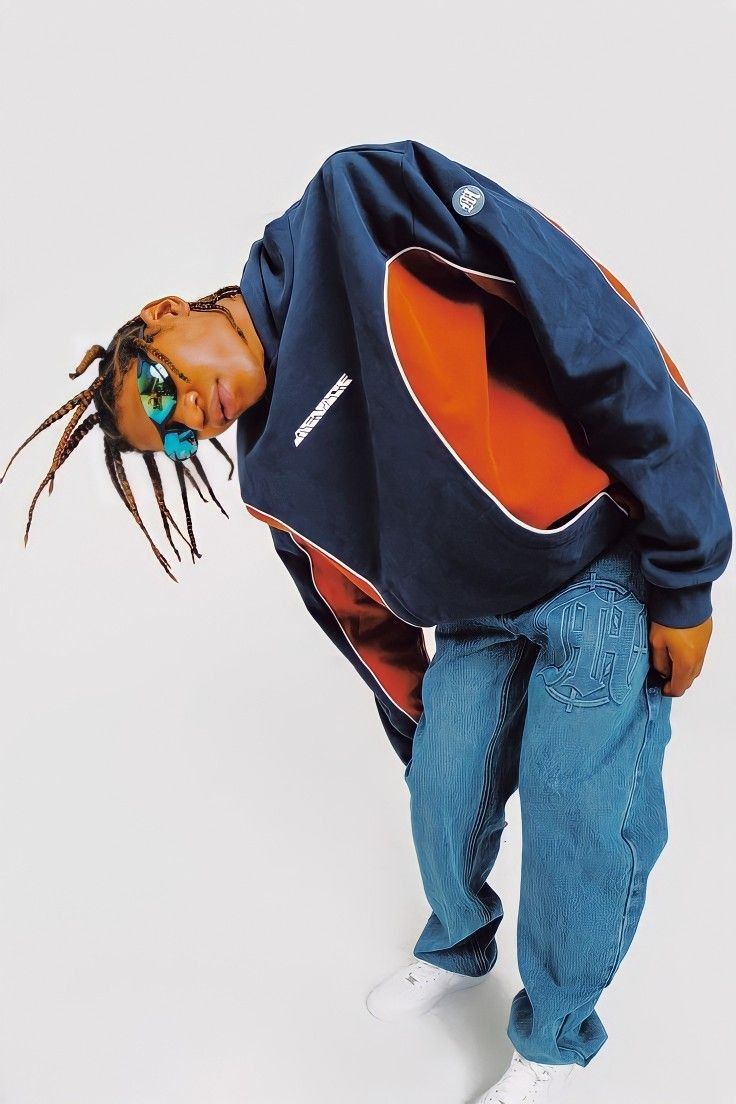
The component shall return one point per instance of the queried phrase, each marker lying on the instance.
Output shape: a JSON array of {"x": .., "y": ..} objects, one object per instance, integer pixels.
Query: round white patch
[{"x": 468, "y": 200}]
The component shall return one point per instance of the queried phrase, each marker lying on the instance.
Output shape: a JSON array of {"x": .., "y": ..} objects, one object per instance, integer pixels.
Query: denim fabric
[{"x": 558, "y": 700}]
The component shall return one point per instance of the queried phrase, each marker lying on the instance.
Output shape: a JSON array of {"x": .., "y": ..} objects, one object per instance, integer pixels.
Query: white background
[{"x": 205, "y": 850}]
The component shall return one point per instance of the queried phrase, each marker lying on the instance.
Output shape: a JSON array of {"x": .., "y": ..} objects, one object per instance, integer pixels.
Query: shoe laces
[
  {"x": 421, "y": 973},
  {"x": 522, "y": 1074}
]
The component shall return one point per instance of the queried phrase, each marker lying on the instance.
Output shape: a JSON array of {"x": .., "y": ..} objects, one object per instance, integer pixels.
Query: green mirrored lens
[
  {"x": 180, "y": 444},
  {"x": 156, "y": 389}
]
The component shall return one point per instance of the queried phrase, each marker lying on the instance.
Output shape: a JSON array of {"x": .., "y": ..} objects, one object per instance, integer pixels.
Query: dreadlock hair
[{"x": 103, "y": 393}]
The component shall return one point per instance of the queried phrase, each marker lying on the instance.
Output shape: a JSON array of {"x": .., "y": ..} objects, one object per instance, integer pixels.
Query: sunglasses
[{"x": 159, "y": 397}]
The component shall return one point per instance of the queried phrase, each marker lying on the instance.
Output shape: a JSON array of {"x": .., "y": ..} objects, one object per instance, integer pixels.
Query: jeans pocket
[{"x": 659, "y": 702}]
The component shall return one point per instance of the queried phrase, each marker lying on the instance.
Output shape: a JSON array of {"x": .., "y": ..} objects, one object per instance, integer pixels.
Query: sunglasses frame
[{"x": 173, "y": 435}]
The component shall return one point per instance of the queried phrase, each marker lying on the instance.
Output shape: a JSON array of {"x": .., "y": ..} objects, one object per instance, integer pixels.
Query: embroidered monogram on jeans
[{"x": 597, "y": 633}]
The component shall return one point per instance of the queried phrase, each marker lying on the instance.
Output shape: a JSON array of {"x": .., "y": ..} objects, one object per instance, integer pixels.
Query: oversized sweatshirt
[{"x": 463, "y": 408}]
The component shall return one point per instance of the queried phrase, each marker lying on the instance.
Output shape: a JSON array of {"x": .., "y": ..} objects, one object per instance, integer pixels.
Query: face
[{"x": 225, "y": 375}]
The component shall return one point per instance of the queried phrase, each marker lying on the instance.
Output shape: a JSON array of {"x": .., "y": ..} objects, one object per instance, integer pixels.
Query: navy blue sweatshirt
[{"x": 463, "y": 408}]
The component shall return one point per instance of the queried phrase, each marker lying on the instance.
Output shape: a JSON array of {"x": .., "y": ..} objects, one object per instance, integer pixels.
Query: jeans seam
[
  {"x": 487, "y": 772},
  {"x": 651, "y": 717}
]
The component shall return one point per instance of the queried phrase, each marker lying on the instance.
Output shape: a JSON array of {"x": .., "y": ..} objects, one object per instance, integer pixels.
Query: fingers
[
  {"x": 660, "y": 659},
  {"x": 677, "y": 673},
  {"x": 686, "y": 667},
  {"x": 678, "y": 654},
  {"x": 681, "y": 679}
]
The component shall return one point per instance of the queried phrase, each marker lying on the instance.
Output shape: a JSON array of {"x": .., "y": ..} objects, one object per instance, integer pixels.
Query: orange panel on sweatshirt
[
  {"x": 473, "y": 364},
  {"x": 391, "y": 649}
]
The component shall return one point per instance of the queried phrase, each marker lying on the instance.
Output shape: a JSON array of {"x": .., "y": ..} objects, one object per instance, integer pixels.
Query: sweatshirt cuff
[{"x": 680, "y": 608}]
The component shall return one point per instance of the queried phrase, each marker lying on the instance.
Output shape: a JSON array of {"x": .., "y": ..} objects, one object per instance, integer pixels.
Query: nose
[{"x": 190, "y": 409}]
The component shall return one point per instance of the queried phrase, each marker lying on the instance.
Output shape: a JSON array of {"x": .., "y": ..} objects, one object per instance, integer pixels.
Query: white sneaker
[
  {"x": 528, "y": 1082},
  {"x": 415, "y": 989}
]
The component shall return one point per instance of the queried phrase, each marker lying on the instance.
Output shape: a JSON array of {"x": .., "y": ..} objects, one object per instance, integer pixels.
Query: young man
[{"x": 449, "y": 414}]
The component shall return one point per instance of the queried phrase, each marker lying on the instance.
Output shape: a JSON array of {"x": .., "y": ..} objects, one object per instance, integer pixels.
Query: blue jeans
[{"x": 558, "y": 700}]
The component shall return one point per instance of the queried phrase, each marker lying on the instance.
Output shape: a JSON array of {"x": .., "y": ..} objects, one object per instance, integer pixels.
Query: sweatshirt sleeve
[
  {"x": 608, "y": 369},
  {"x": 389, "y": 655}
]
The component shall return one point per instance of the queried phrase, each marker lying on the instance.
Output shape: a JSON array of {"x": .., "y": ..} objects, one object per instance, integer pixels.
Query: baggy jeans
[{"x": 558, "y": 700}]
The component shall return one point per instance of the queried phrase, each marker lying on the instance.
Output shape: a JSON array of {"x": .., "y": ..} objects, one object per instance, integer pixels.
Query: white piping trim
[
  {"x": 446, "y": 443},
  {"x": 338, "y": 622},
  {"x": 335, "y": 558},
  {"x": 473, "y": 271},
  {"x": 621, "y": 297}
]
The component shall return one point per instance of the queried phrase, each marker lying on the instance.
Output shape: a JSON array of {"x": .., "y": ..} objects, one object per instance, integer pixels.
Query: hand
[{"x": 678, "y": 654}]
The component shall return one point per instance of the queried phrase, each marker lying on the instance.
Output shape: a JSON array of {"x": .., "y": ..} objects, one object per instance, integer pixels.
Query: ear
[{"x": 159, "y": 312}]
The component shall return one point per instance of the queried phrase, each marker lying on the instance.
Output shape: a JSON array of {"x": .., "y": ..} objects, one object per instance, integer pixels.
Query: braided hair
[{"x": 103, "y": 393}]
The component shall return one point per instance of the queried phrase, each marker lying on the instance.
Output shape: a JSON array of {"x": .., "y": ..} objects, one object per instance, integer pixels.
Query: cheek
[
  {"x": 203, "y": 376},
  {"x": 223, "y": 363}
]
